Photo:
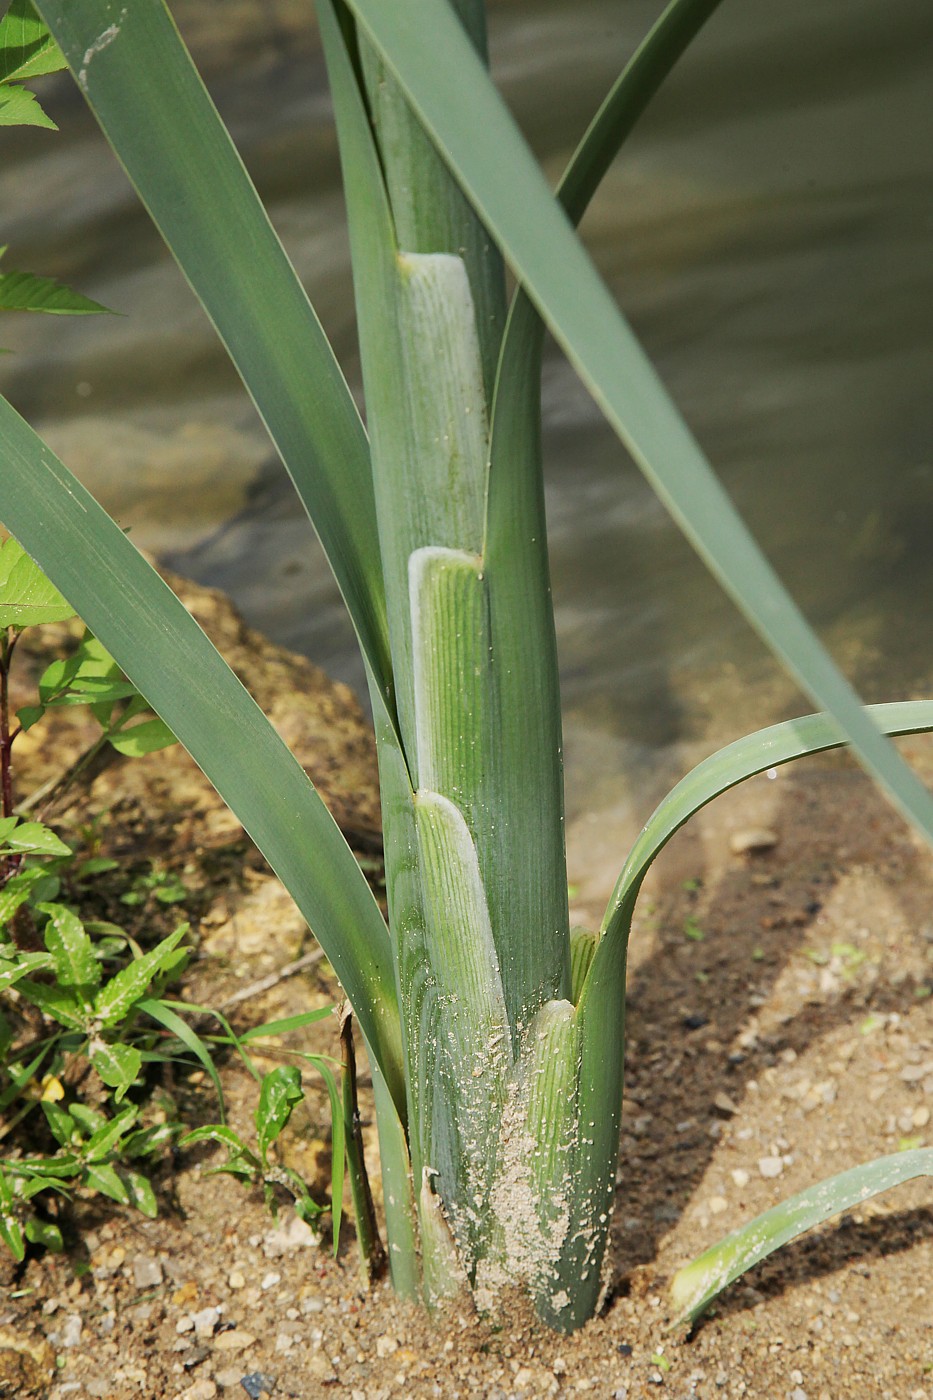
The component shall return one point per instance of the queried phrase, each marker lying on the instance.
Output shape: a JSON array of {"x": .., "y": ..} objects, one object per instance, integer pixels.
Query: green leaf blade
[
  {"x": 696, "y": 1285},
  {"x": 425, "y": 48},
  {"x": 145, "y": 92},
  {"x": 155, "y": 639},
  {"x": 755, "y": 753}
]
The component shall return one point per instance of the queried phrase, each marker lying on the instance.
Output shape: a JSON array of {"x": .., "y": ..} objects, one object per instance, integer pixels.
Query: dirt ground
[{"x": 780, "y": 1029}]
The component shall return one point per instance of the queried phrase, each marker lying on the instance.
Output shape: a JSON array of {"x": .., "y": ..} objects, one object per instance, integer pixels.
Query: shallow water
[{"x": 768, "y": 233}]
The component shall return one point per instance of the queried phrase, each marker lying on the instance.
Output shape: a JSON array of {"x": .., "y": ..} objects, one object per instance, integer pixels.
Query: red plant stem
[{"x": 6, "y": 738}]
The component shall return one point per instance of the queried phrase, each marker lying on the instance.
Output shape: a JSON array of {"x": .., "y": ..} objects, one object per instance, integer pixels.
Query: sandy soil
[{"x": 780, "y": 1028}]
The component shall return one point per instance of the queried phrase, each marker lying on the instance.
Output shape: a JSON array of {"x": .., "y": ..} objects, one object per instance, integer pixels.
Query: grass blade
[
  {"x": 755, "y": 753},
  {"x": 189, "y": 1038},
  {"x": 695, "y": 1286},
  {"x": 428, "y": 53},
  {"x": 146, "y": 93},
  {"x": 166, "y": 655}
]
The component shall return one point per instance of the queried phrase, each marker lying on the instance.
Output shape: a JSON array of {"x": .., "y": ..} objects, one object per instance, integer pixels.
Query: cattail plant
[{"x": 495, "y": 1032}]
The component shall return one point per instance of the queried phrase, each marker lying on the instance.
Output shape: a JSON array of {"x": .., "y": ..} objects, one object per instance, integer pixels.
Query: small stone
[
  {"x": 741, "y": 1177},
  {"x": 798, "y": 1393},
  {"x": 233, "y": 1340},
  {"x": 385, "y": 1345},
  {"x": 147, "y": 1272},
  {"x": 921, "y": 1117},
  {"x": 236, "y": 1279},
  {"x": 184, "y": 1324},
  {"x": 228, "y": 1377},
  {"x": 284, "y": 1342},
  {"x": 71, "y": 1332},
  {"x": 258, "y": 1383},
  {"x": 201, "y": 1390},
  {"x": 524, "y": 1378},
  {"x": 717, "y": 1204},
  {"x": 98, "y": 1388},
  {"x": 297, "y": 1234},
  {"x": 771, "y": 1166},
  {"x": 726, "y": 1105},
  {"x": 752, "y": 840},
  {"x": 205, "y": 1321},
  {"x": 912, "y": 1074},
  {"x": 271, "y": 1280}
]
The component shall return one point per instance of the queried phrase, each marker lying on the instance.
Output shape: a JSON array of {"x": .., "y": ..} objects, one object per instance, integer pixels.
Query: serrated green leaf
[
  {"x": 27, "y": 49},
  {"x": 131, "y": 983},
  {"x": 281, "y": 1090},
  {"x": 118, "y": 1066},
  {"x": 24, "y": 291},
  {"x": 20, "y": 107},
  {"x": 70, "y": 947}
]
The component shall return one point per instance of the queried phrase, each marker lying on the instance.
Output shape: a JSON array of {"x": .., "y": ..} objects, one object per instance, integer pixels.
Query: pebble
[
  {"x": 201, "y": 1390},
  {"x": 71, "y": 1332},
  {"x": 385, "y": 1345},
  {"x": 718, "y": 1204},
  {"x": 726, "y": 1105},
  {"x": 297, "y": 1234},
  {"x": 205, "y": 1321},
  {"x": 741, "y": 1177},
  {"x": 271, "y": 1280},
  {"x": 751, "y": 840},
  {"x": 233, "y": 1340},
  {"x": 912, "y": 1074},
  {"x": 236, "y": 1279},
  {"x": 798, "y": 1394},
  {"x": 770, "y": 1166},
  {"x": 229, "y": 1377},
  {"x": 147, "y": 1272},
  {"x": 256, "y": 1383}
]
